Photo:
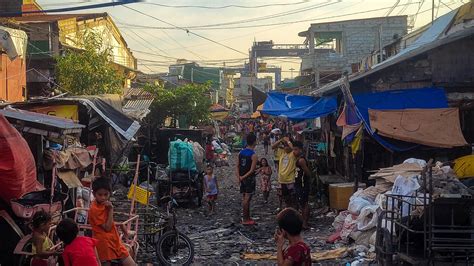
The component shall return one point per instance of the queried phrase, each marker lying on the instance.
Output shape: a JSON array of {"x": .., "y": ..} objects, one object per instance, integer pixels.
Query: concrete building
[
  {"x": 336, "y": 47},
  {"x": 12, "y": 64},
  {"x": 50, "y": 35},
  {"x": 191, "y": 72},
  {"x": 243, "y": 90}
]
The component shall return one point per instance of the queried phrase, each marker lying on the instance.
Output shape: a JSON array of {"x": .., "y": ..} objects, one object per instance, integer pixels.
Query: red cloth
[
  {"x": 80, "y": 252},
  {"x": 298, "y": 254},
  {"x": 209, "y": 152},
  {"x": 17, "y": 164}
]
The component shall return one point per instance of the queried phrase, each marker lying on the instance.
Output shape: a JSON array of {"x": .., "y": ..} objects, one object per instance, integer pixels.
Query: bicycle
[{"x": 173, "y": 247}]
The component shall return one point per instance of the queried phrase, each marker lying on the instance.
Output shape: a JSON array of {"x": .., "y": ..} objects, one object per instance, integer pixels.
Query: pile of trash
[
  {"x": 358, "y": 223},
  {"x": 222, "y": 153}
]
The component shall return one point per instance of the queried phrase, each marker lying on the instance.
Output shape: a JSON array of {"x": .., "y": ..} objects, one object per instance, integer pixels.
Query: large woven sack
[{"x": 181, "y": 156}]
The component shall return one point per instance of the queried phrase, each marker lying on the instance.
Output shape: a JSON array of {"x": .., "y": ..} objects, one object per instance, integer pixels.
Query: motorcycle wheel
[{"x": 175, "y": 248}]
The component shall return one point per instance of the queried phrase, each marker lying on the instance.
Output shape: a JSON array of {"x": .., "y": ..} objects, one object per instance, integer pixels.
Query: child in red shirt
[
  {"x": 78, "y": 250},
  {"x": 297, "y": 252}
]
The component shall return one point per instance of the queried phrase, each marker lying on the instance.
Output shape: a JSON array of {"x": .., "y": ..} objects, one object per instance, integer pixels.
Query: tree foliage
[
  {"x": 190, "y": 101},
  {"x": 88, "y": 71}
]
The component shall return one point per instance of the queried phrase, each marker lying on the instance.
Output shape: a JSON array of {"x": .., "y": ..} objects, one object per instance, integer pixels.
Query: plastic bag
[
  {"x": 367, "y": 218},
  {"x": 421, "y": 163},
  {"x": 339, "y": 220},
  {"x": 181, "y": 156},
  {"x": 198, "y": 151},
  {"x": 348, "y": 227},
  {"x": 357, "y": 202},
  {"x": 405, "y": 186}
]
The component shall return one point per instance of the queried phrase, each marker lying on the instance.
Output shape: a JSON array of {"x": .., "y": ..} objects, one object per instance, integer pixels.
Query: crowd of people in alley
[{"x": 290, "y": 169}]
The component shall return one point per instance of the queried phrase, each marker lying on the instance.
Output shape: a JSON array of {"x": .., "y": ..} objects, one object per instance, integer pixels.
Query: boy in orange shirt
[{"x": 101, "y": 218}]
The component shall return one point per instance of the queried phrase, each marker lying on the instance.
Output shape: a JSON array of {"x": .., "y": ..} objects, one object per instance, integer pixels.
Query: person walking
[
  {"x": 302, "y": 182},
  {"x": 245, "y": 171}
]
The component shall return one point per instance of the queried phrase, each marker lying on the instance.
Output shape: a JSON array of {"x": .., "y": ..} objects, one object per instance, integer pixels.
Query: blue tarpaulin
[
  {"x": 298, "y": 107},
  {"x": 423, "y": 98}
]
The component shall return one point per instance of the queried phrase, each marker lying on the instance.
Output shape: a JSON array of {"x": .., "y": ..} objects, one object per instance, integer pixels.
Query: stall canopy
[
  {"x": 431, "y": 127},
  {"x": 218, "y": 112},
  {"x": 298, "y": 107},
  {"x": 423, "y": 98}
]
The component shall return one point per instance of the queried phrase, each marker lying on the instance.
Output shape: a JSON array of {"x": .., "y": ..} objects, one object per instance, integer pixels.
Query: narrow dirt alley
[{"x": 221, "y": 239}]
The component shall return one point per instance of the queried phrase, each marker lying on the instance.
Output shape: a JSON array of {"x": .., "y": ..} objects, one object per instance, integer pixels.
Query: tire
[{"x": 167, "y": 241}]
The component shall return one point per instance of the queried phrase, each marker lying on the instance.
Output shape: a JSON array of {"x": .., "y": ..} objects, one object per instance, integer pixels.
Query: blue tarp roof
[
  {"x": 423, "y": 98},
  {"x": 298, "y": 107}
]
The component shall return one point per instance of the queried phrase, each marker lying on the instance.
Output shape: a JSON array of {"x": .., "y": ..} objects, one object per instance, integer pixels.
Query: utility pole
[
  {"x": 380, "y": 44},
  {"x": 432, "y": 11},
  {"x": 192, "y": 74}
]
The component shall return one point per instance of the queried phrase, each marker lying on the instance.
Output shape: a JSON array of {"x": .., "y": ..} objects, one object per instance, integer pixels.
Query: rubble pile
[{"x": 358, "y": 223}]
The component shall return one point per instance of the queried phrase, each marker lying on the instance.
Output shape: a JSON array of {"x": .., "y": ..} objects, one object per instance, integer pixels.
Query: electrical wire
[
  {"x": 187, "y": 28},
  {"x": 229, "y": 6},
  {"x": 68, "y": 9}
]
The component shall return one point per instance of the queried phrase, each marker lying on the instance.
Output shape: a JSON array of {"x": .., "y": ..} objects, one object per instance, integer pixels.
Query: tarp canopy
[
  {"x": 258, "y": 97},
  {"x": 298, "y": 107},
  {"x": 431, "y": 127},
  {"x": 423, "y": 98},
  {"x": 17, "y": 164}
]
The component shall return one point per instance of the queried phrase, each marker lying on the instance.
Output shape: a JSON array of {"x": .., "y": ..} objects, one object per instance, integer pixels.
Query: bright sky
[{"x": 176, "y": 43}]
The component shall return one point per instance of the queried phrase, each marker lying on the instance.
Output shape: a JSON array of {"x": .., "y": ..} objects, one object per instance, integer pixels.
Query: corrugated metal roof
[
  {"x": 41, "y": 124},
  {"x": 137, "y": 102}
]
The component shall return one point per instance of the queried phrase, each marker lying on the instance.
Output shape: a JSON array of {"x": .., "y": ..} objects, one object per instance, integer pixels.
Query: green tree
[
  {"x": 88, "y": 71},
  {"x": 191, "y": 101}
]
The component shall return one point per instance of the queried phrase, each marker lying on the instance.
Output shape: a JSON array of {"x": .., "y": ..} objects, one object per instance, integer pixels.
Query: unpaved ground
[{"x": 221, "y": 239}]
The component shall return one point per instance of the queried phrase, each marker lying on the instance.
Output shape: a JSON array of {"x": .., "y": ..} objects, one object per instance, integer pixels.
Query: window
[{"x": 329, "y": 40}]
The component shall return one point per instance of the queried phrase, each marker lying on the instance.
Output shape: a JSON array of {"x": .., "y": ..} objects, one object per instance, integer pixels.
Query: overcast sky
[{"x": 176, "y": 43}]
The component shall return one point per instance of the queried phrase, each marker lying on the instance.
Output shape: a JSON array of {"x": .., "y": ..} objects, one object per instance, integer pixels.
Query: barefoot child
[
  {"x": 101, "y": 218},
  {"x": 297, "y": 252},
  {"x": 265, "y": 173},
  {"x": 211, "y": 187},
  {"x": 78, "y": 250},
  {"x": 42, "y": 244}
]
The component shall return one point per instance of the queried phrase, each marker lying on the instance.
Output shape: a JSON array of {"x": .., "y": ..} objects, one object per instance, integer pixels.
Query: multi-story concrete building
[
  {"x": 336, "y": 47},
  {"x": 12, "y": 64},
  {"x": 243, "y": 90}
]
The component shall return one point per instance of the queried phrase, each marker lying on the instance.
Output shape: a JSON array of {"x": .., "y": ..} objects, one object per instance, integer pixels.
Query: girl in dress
[{"x": 265, "y": 173}]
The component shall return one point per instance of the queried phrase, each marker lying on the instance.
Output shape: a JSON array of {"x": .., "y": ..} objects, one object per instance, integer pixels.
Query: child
[
  {"x": 212, "y": 188},
  {"x": 290, "y": 224},
  {"x": 101, "y": 218},
  {"x": 265, "y": 172},
  {"x": 245, "y": 172},
  {"x": 78, "y": 250},
  {"x": 42, "y": 244}
]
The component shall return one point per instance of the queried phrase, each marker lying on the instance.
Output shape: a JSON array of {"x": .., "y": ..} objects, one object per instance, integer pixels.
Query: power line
[
  {"x": 228, "y": 6},
  {"x": 68, "y": 9},
  {"x": 186, "y": 30},
  {"x": 272, "y": 16}
]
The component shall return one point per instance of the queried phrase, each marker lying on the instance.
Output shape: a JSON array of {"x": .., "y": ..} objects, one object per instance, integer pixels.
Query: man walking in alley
[
  {"x": 286, "y": 172},
  {"x": 302, "y": 182},
  {"x": 245, "y": 171}
]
